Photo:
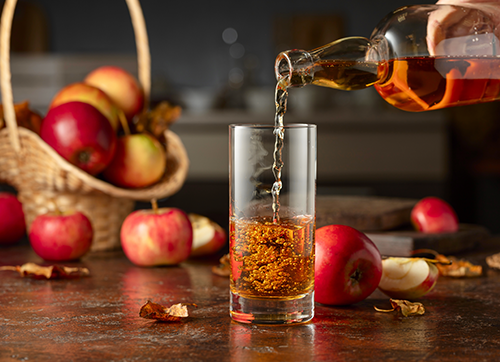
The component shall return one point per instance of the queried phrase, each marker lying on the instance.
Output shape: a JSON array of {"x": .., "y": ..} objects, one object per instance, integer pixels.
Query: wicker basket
[{"x": 44, "y": 179}]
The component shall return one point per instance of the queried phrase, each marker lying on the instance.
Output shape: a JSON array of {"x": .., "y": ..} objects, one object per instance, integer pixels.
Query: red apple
[
  {"x": 407, "y": 278},
  {"x": 61, "y": 236},
  {"x": 12, "y": 223},
  {"x": 434, "y": 215},
  {"x": 140, "y": 160},
  {"x": 348, "y": 265},
  {"x": 121, "y": 86},
  {"x": 154, "y": 237},
  {"x": 208, "y": 236},
  {"x": 80, "y": 134},
  {"x": 87, "y": 93}
]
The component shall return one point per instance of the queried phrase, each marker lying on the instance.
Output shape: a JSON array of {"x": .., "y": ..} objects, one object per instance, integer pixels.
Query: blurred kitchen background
[{"x": 216, "y": 58}]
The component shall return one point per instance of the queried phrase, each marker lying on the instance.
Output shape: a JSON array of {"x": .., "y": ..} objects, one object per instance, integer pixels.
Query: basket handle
[{"x": 143, "y": 62}]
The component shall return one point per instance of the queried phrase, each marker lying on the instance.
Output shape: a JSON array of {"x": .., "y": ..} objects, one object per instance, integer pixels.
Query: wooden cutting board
[
  {"x": 404, "y": 242},
  {"x": 363, "y": 212},
  {"x": 386, "y": 221}
]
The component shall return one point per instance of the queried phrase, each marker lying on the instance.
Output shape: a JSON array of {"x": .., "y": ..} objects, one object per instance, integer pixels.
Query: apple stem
[
  {"x": 154, "y": 203},
  {"x": 124, "y": 122},
  {"x": 356, "y": 276},
  {"x": 84, "y": 157},
  {"x": 57, "y": 210}
]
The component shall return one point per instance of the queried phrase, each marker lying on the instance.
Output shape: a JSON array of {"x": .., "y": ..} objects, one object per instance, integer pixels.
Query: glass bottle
[{"x": 419, "y": 58}]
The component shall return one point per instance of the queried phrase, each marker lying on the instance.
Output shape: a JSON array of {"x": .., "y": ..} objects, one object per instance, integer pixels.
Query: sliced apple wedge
[
  {"x": 208, "y": 236},
  {"x": 407, "y": 278}
]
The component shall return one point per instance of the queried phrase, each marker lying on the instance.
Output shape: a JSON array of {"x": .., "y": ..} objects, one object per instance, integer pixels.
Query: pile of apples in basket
[{"x": 99, "y": 126}]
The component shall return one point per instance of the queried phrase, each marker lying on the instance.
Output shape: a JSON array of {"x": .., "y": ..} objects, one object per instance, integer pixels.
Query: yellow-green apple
[
  {"x": 81, "y": 135},
  {"x": 87, "y": 93},
  {"x": 408, "y": 278},
  {"x": 158, "y": 236},
  {"x": 208, "y": 236},
  {"x": 140, "y": 160},
  {"x": 434, "y": 215},
  {"x": 12, "y": 223},
  {"x": 61, "y": 236},
  {"x": 121, "y": 86},
  {"x": 348, "y": 265}
]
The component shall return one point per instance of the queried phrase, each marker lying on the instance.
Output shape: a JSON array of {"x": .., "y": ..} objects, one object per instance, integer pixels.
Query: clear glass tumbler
[{"x": 272, "y": 222}]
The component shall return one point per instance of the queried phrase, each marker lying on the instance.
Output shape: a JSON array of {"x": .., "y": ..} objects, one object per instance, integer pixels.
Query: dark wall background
[
  {"x": 186, "y": 36},
  {"x": 187, "y": 50}
]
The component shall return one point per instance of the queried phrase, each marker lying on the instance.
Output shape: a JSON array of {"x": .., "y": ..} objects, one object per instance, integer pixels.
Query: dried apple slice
[
  {"x": 161, "y": 313},
  {"x": 406, "y": 307},
  {"x": 408, "y": 278}
]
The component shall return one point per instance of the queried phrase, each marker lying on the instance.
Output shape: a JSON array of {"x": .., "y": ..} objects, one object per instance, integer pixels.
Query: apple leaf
[
  {"x": 457, "y": 268},
  {"x": 159, "y": 119},
  {"x": 25, "y": 117},
  {"x": 161, "y": 313},
  {"x": 407, "y": 308},
  {"x": 224, "y": 268},
  {"x": 493, "y": 261},
  {"x": 47, "y": 272}
]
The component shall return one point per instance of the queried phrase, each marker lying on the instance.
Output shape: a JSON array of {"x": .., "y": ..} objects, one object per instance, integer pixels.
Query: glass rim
[{"x": 271, "y": 126}]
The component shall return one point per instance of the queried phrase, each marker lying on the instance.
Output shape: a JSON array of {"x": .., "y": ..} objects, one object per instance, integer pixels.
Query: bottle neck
[
  {"x": 298, "y": 68},
  {"x": 294, "y": 68}
]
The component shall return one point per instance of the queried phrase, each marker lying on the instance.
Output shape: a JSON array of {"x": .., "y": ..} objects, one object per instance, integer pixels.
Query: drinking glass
[{"x": 272, "y": 222}]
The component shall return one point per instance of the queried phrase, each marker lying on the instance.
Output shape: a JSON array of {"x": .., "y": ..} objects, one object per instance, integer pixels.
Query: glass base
[{"x": 272, "y": 311}]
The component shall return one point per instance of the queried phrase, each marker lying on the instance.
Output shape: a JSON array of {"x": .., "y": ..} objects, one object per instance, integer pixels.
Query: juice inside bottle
[
  {"x": 428, "y": 83},
  {"x": 418, "y": 83}
]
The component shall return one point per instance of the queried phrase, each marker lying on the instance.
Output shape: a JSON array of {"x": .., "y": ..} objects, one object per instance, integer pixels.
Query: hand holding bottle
[
  {"x": 451, "y": 30},
  {"x": 488, "y": 6}
]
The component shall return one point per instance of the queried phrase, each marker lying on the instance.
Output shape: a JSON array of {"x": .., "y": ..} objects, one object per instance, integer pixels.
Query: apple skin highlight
[
  {"x": 434, "y": 215},
  {"x": 157, "y": 237},
  {"x": 121, "y": 86},
  {"x": 61, "y": 236},
  {"x": 81, "y": 135},
  {"x": 348, "y": 265},
  {"x": 139, "y": 161},
  {"x": 81, "y": 92}
]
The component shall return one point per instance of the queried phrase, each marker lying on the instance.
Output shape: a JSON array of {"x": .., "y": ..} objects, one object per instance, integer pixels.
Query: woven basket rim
[{"x": 176, "y": 156}]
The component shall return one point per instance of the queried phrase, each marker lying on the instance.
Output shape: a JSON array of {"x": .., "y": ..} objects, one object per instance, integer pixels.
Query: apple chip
[
  {"x": 161, "y": 313},
  {"x": 47, "y": 272},
  {"x": 224, "y": 268},
  {"x": 493, "y": 261},
  {"x": 407, "y": 308},
  {"x": 457, "y": 268}
]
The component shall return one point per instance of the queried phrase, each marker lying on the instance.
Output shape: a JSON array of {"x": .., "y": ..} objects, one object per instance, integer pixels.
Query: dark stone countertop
[{"x": 97, "y": 318}]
